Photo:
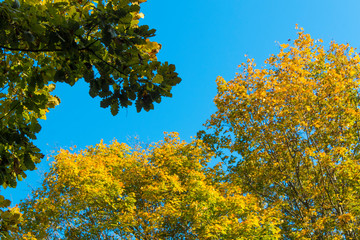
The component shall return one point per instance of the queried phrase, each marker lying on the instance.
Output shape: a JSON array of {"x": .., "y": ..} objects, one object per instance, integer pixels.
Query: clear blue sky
[{"x": 204, "y": 39}]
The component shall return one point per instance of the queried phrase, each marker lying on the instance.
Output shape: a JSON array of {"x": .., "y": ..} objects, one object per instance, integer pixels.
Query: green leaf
[
  {"x": 29, "y": 164},
  {"x": 35, "y": 127},
  {"x": 28, "y": 36},
  {"x": 131, "y": 94},
  {"x": 19, "y": 177},
  {"x": 158, "y": 100},
  {"x": 6, "y": 203},
  {"x": 158, "y": 79},
  {"x": 104, "y": 103},
  {"x": 138, "y": 106},
  {"x": 15, "y": 216},
  {"x": 60, "y": 76},
  {"x": 114, "y": 108},
  {"x": 16, "y": 4},
  {"x": 73, "y": 25}
]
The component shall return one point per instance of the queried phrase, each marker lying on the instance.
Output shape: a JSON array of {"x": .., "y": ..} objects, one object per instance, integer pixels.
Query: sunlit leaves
[
  {"x": 292, "y": 127},
  {"x": 9, "y": 218},
  {"x": 70, "y": 38},
  {"x": 45, "y": 42},
  {"x": 164, "y": 191}
]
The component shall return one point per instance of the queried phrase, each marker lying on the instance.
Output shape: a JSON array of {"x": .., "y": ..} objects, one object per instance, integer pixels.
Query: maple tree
[
  {"x": 164, "y": 191},
  {"x": 290, "y": 134},
  {"x": 43, "y": 42}
]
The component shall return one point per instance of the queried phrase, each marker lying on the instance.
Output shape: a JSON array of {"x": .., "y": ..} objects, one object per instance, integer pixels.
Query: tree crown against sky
[
  {"x": 163, "y": 192},
  {"x": 226, "y": 47},
  {"x": 293, "y": 130},
  {"x": 288, "y": 134},
  {"x": 43, "y": 43}
]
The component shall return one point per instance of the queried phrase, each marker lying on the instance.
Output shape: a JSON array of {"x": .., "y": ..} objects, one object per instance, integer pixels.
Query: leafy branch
[{"x": 46, "y": 49}]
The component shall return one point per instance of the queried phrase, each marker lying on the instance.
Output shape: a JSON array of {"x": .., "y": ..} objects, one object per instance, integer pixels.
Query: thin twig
[
  {"x": 10, "y": 110},
  {"x": 7, "y": 85},
  {"x": 97, "y": 56},
  {"x": 31, "y": 50},
  {"x": 46, "y": 49}
]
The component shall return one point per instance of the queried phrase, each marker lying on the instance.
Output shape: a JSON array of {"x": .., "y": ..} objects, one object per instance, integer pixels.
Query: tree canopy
[
  {"x": 46, "y": 42},
  {"x": 293, "y": 130},
  {"x": 162, "y": 192},
  {"x": 288, "y": 133}
]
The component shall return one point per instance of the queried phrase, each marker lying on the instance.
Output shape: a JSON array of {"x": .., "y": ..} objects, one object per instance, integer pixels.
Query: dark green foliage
[{"x": 45, "y": 42}]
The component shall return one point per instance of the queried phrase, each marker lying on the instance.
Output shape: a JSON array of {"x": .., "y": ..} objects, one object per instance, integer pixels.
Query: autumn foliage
[
  {"x": 45, "y": 42},
  {"x": 293, "y": 129},
  {"x": 163, "y": 192},
  {"x": 288, "y": 134}
]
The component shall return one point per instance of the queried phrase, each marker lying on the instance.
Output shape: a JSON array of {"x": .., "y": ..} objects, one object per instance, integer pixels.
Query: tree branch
[
  {"x": 31, "y": 50},
  {"x": 13, "y": 108},
  {"x": 7, "y": 85},
  {"x": 46, "y": 49},
  {"x": 102, "y": 60}
]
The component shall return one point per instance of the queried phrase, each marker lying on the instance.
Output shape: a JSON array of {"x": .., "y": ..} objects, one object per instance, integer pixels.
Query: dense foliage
[
  {"x": 43, "y": 42},
  {"x": 288, "y": 133},
  {"x": 163, "y": 192},
  {"x": 293, "y": 131}
]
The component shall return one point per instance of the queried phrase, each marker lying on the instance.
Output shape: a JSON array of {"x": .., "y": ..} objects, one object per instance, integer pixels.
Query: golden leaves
[
  {"x": 162, "y": 191},
  {"x": 293, "y": 126}
]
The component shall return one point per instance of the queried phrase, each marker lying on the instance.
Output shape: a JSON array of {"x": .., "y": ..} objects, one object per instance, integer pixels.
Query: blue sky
[{"x": 204, "y": 39}]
